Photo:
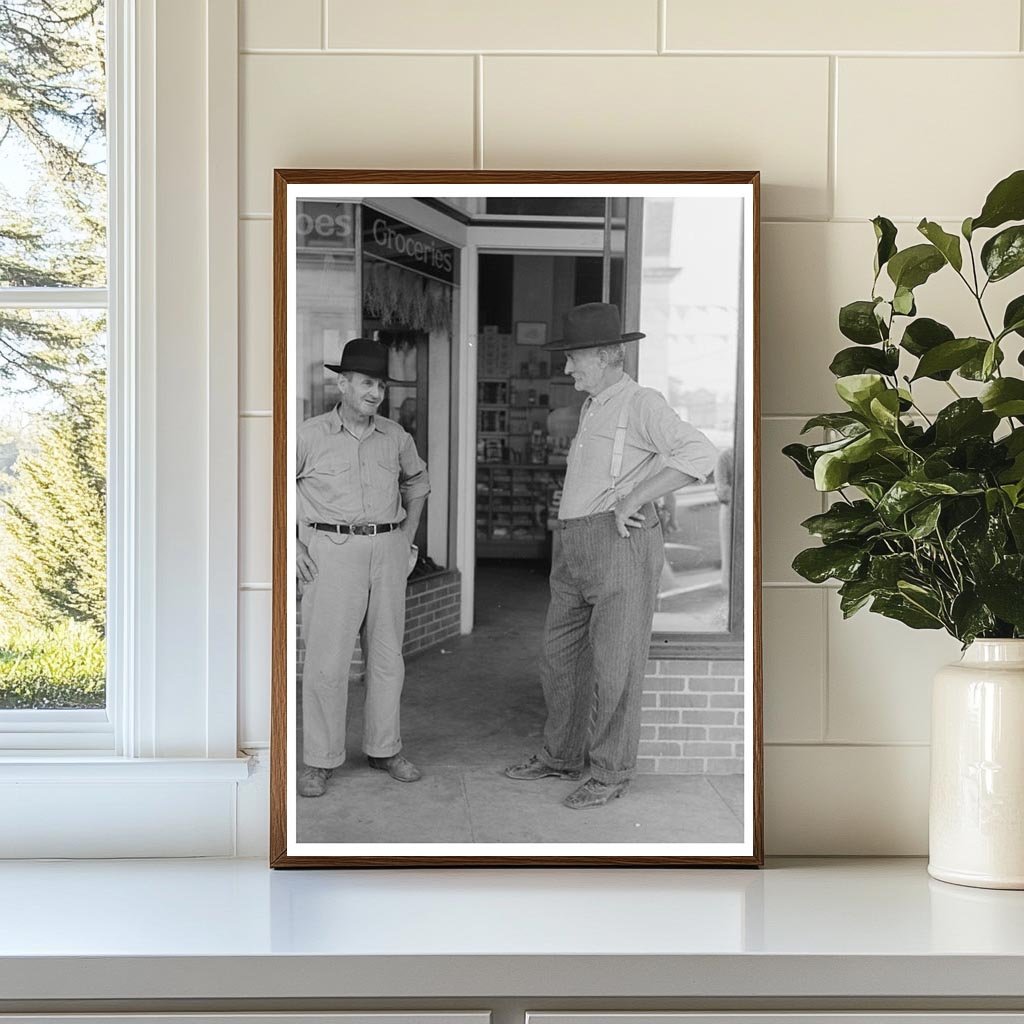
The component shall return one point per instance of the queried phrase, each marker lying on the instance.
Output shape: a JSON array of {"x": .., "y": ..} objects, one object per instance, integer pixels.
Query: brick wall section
[
  {"x": 692, "y": 719},
  {"x": 431, "y": 616}
]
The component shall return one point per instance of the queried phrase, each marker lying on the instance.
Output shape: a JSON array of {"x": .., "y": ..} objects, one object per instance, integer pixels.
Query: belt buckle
[{"x": 364, "y": 529}]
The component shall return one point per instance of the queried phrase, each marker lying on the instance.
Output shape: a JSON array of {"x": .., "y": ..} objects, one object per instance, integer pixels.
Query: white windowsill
[{"x": 78, "y": 767}]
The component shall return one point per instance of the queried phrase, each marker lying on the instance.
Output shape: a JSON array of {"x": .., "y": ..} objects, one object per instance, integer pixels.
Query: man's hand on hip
[
  {"x": 627, "y": 514},
  {"x": 304, "y": 563}
]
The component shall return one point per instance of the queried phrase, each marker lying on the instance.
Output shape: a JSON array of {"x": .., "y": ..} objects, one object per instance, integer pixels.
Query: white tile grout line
[
  {"x": 478, "y": 111},
  {"x": 831, "y": 171},
  {"x": 663, "y": 26},
  {"x": 323, "y": 24},
  {"x": 856, "y": 744},
  {"x": 1020, "y": 19},
  {"x": 338, "y": 51}
]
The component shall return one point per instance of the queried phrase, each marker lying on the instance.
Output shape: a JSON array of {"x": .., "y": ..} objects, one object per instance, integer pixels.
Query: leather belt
[{"x": 358, "y": 529}]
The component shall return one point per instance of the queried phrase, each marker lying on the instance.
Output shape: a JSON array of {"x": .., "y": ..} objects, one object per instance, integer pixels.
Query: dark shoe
[
  {"x": 535, "y": 768},
  {"x": 397, "y": 767},
  {"x": 313, "y": 781},
  {"x": 594, "y": 794}
]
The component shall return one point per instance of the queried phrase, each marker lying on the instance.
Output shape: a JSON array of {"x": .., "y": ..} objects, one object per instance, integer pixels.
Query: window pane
[
  {"x": 53, "y": 147},
  {"x": 690, "y": 313},
  {"x": 547, "y": 206},
  {"x": 52, "y": 509}
]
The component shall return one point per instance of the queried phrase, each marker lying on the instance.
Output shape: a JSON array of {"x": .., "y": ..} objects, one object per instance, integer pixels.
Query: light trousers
[
  {"x": 357, "y": 577},
  {"x": 596, "y": 642}
]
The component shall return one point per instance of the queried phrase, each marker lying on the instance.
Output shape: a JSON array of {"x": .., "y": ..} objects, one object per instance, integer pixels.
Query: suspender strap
[{"x": 620, "y": 441}]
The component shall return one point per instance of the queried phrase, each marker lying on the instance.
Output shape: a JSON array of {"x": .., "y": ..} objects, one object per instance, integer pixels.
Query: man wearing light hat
[
  {"x": 361, "y": 490},
  {"x": 630, "y": 449}
]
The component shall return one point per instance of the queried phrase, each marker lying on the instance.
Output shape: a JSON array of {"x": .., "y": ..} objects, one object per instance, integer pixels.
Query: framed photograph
[
  {"x": 516, "y": 614},
  {"x": 531, "y": 332}
]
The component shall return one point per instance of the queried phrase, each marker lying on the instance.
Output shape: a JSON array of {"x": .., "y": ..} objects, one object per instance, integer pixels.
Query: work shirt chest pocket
[{"x": 335, "y": 465}]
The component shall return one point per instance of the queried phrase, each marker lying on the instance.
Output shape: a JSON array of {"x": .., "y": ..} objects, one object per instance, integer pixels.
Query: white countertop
[{"x": 235, "y": 929}]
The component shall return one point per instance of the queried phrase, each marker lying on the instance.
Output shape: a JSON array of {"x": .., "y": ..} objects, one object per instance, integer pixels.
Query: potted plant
[{"x": 926, "y": 524}]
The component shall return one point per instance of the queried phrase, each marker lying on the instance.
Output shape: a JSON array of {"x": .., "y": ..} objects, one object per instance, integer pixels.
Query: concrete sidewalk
[{"x": 473, "y": 706}]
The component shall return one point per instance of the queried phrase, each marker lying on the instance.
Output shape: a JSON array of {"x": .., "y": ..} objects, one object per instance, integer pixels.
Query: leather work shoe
[
  {"x": 594, "y": 794},
  {"x": 313, "y": 781},
  {"x": 535, "y": 768},
  {"x": 397, "y": 767}
]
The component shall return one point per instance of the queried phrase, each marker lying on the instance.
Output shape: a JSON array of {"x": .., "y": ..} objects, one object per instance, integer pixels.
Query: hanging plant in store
[{"x": 927, "y": 525}]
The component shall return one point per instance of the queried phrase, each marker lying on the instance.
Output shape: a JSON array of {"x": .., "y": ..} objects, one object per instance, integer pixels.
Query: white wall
[{"x": 910, "y": 109}]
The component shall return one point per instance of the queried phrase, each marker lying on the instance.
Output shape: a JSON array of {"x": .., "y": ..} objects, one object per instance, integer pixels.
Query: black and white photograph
[{"x": 515, "y": 552}]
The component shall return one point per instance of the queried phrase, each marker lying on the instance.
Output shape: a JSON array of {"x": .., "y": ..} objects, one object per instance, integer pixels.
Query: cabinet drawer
[
  {"x": 360, "y": 1017},
  {"x": 851, "y": 1017}
]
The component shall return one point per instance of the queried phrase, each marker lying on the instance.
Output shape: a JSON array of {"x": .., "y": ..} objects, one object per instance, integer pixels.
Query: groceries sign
[{"x": 392, "y": 240}]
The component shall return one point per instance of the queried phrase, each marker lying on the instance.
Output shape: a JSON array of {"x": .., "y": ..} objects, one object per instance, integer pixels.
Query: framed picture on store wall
[{"x": 516, "y": 558}]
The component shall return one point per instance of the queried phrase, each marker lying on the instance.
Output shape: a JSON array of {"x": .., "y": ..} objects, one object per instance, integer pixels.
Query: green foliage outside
[
  {"x": 60, "y": 667},
  {"x": 927, "y": 526},
  {"x": 52, "y": 365}
]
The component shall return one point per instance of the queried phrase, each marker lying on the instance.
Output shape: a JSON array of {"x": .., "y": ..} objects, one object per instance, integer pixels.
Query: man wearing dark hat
[
  {"x": 630, "y": 449},
  {"x": 361, "y": 491}
]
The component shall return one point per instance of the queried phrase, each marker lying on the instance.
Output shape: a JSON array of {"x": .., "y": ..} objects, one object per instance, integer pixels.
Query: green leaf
[
  {"x": 925, "y": 518},
  {"x": 843, "y": 521},
  {"x": 923, "y": 335},
  {"x": 831, "y": 471},
  {"x": 971, "y": 617},
  {"x": 857, "y": 321},
  {"x": 900, "y": 609},
  {"x": 840, "y": 561},
  {"x": 885, "y": 409},
  {"x": 965, "y": 229},
  {"x": 1004, "y": 397},
  {"x": 966, "y": 417},
  {"x": 912, "y": 267},
  {"x": 1005, "y": 202},
  {"x": 886, "y": 571},
  {"x": 1005, "y": 596},
  {"x": 858, "y": 389},
  {"x": 854, "y": 595},
  {"x": 903, "y": 302},
  {"x": 947, "y": 244},
  {"x": 799, "y": 455},
  {"x": 1003, "y": 254},
  {"x": 850, "y": 361},
  {"x": 885, "y": 235},
  {"x": 991, "y": 360},
  {"x": 841, "y": 421},
  {"x": 904, "y": 495},
  {"x": 950, "y": 355},
  {"x": 974, "y": 368},
  {"x": 1013, "y": 317}
]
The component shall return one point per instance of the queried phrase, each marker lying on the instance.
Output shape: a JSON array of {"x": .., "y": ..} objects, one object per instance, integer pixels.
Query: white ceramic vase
[{"x": 976, "y": 812}]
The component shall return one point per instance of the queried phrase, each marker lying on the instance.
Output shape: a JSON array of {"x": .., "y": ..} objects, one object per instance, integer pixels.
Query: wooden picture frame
[{"x": 389, "y": 254}]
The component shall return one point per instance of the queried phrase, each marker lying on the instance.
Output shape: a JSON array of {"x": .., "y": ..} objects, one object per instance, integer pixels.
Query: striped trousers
[{"x": 596, "y": 641}]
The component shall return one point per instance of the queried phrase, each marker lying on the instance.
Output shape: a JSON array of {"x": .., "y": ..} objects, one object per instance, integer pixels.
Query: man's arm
[
  {"x": 413, "y": 511},
  {"x": 689, "y": 455},
  {"x": 665, "y": 481}
]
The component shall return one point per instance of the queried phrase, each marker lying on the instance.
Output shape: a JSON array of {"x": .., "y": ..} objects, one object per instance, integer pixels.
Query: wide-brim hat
[
  {"x": 364, "y": 355},
  {"x": 590, "y": 326}
]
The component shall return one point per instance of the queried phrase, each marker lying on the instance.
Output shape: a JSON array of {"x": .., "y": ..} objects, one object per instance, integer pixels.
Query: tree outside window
[{"x": 53, "y": 386}]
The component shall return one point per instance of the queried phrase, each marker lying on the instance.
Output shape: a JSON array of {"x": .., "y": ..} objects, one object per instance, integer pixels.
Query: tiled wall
[{"x": 906, "y": 109}]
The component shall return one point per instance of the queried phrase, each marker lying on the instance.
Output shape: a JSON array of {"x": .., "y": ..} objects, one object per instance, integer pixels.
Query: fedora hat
[
  {"x": 364, "y": 355},
  {"x": 591, "y": 325}
]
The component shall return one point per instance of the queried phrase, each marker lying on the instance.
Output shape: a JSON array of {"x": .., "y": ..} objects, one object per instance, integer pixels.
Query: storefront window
[
  {"x": 360, "y": 273},
  {"x": 690, "y": 312}
]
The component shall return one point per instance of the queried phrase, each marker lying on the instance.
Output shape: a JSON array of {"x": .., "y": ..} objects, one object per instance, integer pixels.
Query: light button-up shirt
[
  {"x": 655, "y": 438},
  {"x": 342, "y": 478}
]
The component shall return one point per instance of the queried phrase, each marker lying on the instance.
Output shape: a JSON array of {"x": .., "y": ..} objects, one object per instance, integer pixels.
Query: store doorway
[{"x": 527, "y": 414}]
